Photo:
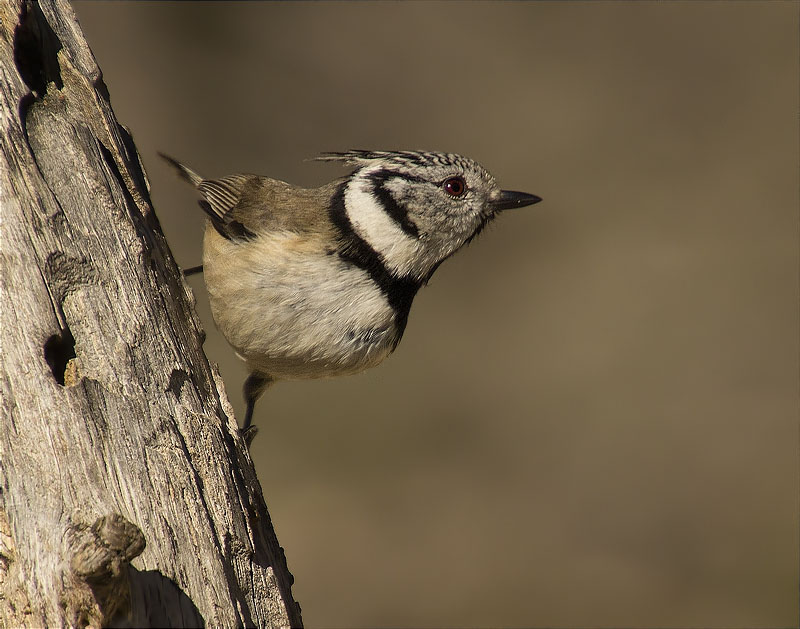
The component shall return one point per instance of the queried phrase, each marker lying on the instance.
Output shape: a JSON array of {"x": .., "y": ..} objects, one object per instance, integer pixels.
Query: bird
[{"x": 318, "y": 282}]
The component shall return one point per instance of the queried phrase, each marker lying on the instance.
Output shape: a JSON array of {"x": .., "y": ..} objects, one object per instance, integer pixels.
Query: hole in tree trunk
[
  {"x": 36, "y": 49},
  {"x": 58, "y": 351}
]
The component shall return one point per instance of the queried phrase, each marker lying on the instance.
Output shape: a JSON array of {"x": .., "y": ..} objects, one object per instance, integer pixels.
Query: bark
[{"x": 128, "y": 497}]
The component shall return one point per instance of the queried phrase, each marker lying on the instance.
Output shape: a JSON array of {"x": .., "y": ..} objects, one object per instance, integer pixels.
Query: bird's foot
[{"x": 248, "y": 434}]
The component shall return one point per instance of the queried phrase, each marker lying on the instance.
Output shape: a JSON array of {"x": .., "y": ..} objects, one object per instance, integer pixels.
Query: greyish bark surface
[{"x": 127, "y": 497}]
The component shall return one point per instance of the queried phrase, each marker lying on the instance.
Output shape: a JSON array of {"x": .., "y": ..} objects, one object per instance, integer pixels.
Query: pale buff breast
[{"x": 292, "y": 309}]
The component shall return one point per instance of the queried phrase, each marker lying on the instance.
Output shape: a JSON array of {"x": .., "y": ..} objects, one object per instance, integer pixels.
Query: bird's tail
[{"x": 184, "y": 172}]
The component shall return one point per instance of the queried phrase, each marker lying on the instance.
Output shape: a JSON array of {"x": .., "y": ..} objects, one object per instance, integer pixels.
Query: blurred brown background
[{"x": 593, "y": 417}]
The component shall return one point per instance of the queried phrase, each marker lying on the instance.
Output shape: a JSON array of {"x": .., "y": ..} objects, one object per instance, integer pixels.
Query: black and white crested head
[{"x": 416, "y": 208}]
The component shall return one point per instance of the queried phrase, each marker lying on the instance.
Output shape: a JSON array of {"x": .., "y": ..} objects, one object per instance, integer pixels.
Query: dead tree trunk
[{"x": 117, "y": 442}]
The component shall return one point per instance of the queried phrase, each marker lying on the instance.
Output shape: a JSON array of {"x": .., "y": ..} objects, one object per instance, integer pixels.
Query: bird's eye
[{"x": 454, "y": 186}]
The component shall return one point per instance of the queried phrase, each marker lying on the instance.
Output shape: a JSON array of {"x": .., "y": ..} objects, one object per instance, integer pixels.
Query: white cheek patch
[{"x": 401, "y": 253}]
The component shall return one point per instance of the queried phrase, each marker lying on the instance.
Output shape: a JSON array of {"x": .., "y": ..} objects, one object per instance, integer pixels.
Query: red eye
[{"x": 454, "y": 186}]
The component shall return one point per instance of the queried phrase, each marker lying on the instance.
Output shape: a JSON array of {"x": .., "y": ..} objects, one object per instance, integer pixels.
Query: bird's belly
[{"x": 299, "y": 314}]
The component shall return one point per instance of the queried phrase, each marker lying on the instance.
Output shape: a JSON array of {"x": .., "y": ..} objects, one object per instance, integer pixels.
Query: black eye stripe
[
  {"x": 385, "y": 175},
  {"x": 397, "y": 212}
]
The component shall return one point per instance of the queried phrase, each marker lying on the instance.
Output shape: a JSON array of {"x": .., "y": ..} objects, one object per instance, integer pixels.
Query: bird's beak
[{"x": 508, "y": 200}]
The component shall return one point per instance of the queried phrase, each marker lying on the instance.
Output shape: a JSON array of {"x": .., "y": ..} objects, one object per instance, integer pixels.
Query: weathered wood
[{"x": 116, "y": 431}]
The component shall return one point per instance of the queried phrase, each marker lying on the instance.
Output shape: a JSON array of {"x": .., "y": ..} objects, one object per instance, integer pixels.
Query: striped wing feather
[{"x": 222, "y": 195}]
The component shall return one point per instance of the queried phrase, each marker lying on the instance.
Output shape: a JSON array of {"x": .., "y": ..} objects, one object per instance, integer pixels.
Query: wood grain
[{"x": 117, "y": 437}]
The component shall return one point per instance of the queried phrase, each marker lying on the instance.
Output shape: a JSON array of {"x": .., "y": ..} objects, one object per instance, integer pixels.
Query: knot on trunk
[{"x": 97, "y": 586}]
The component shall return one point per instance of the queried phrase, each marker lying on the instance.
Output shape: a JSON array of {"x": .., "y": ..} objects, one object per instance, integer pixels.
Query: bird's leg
[
  {"x": 254, "y": 386},
  {"x": 193, "y": 270}
]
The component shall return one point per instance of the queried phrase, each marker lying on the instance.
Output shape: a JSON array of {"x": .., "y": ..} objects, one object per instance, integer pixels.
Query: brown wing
[{"x": 240, "y": 206}]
